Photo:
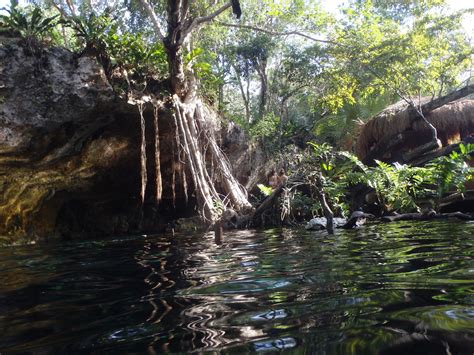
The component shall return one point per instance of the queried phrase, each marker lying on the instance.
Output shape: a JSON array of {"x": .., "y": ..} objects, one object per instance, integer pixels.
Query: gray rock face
[
  {"x": 70, "y": 151},
  {"x": 68, "y": 147}
]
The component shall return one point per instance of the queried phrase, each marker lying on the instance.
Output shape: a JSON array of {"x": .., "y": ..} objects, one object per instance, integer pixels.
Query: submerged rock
[
  {"x": 356, "y": 219},
  {"x": 319, "y": 223}
]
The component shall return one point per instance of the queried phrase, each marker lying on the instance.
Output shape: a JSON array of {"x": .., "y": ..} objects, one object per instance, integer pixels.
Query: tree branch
[
  {"x": 292, "y": 92},
  {"x": 154, "y": 19},
  {"x": 200, "y": 20},
  {"x": 70, "y": 4},
  {"x": 242, "y": 91},
  {"x": 387, "y": 143},
  {"x": 60, "y": 9},
  {"x": 210, "y": 17},
  {"x": 273, "y": 33}
]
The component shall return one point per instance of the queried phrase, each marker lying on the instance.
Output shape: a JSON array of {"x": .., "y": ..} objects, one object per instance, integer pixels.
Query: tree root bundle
[{"x": 197, "y": 144}]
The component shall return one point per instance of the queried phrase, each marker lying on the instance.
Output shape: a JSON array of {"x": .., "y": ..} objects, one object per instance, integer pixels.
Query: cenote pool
[{"x": 399, "y": 288}]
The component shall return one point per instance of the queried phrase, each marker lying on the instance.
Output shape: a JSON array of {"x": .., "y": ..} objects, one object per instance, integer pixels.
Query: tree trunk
[
  {"x": 282, "y": 121},
  {"x": 179, "y": 84},
  {"x": 189, "y": 118},
  {"x": 143, "y": 171},
  {"x": 245, "y": 94},
  {"x": 158, "y": 180},
  {"x": 191, "y": 133},
  {"x": 441, "y": 101},
  {"x": 262, "y": 73},
  {"x": 220, "y": 103}
]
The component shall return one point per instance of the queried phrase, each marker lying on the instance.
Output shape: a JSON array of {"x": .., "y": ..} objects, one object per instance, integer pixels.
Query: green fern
[{"x": 33, "y": 25}]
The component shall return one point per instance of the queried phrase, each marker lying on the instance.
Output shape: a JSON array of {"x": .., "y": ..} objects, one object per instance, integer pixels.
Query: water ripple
[{"x": 382, "y": 288}]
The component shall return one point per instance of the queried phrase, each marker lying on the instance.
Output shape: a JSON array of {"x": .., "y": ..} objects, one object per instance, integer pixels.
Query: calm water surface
[{"x": 398, "y": 288}]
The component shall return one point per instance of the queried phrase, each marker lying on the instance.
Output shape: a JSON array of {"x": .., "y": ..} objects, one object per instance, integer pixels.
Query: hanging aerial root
[
  {"x": 179, "y": 153},
  {"x": 158, "y": 183},
  {"x": 185, "y": 183},
  {"x": 194, "y": 141},
  {"x": 143, "y": 172},
  {"x": 173, "y": 174}
]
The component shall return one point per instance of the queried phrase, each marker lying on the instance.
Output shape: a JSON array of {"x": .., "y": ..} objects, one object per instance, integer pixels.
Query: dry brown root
[{"x": 235, "y": 192}]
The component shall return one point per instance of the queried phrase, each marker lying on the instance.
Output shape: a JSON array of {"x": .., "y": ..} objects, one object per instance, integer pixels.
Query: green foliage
[
  {"x": 265, "y": 190},
  {"x": 92, "y": 31},
  {"x": 218, "y": 207},
  {"x": 29, "y": 24},
  {"x": 288, "y": 87},
  {"x": 266, "y": 127},
  {"x": 401, "y": 10},
  {"x": 332, "y": 168},
  {"x": 451, "y": 172},
  {"x": 100, "y": 35},
  {"x": 302, "y": 206},
  {"x": 400, "y": 187},
  {"x": 397, "y": 187},
  {"x": 284, "y": 88},
  {"x": 424, "y": 57},
  {"x": 130, "y": 51},
  {"x": 378, "y": 52},
  {"x": 200, "y": 62}
]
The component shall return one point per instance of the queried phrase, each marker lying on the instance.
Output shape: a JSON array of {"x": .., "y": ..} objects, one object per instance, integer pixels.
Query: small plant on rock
[{"x": 31, "y": 26}]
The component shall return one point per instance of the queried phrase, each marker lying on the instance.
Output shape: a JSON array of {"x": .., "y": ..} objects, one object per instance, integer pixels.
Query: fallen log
[
  {"x": 430, "y": 155},
  {"x": 386, "y": 144},
  {"x": 422, "y": 149},
  {"x": 457, "y": 197},
  {"x": 443, "y": 100},
  {"x": 268, "y": 202},
  {"x": 427, "y": 217}
]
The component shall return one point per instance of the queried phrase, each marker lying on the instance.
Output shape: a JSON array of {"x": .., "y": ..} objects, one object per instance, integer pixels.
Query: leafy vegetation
[
  {"x": 30, "y": 25},
  {"x": 451, "y": 172},
  {"x": 100, "y": 35},
  {"x": 397, "y": 188},
  {"x": 265, "y": 190},
  {"x": 288, "y": 69}
]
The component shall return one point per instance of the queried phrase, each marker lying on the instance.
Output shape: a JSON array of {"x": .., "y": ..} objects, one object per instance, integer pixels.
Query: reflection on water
[{"x": 383, "y": 289}]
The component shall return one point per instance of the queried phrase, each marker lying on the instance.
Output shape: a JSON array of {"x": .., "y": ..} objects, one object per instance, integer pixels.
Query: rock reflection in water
[
  {"x": 388, "y": 289},
  {"x": 275, "y": 345}
]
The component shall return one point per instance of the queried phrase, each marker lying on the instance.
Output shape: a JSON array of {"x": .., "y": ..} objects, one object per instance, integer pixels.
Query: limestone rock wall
[{"x": 69, "y": 148}]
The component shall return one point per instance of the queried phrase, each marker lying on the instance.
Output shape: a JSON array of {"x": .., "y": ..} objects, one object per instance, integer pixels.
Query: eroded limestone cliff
[
  {"x": 69, "y": 148},
  {"x": 70, "y": 158}
]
